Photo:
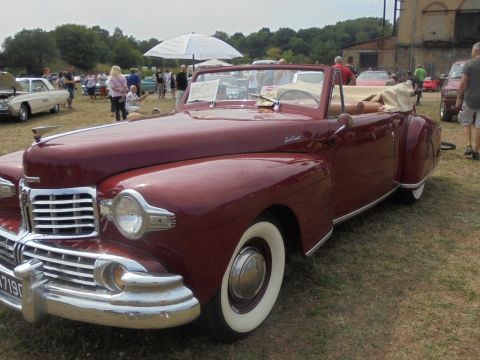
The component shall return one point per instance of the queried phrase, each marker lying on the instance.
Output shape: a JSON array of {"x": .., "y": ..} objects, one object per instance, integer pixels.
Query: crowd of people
[{"x": 124, "y": 91}]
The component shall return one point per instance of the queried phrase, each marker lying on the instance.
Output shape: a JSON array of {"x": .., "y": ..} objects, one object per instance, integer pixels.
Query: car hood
[
  {"x": 8, "y": 83},
  {"x": 371, "y": 82},
  {"x": 85, "y": 157},
  {"x": 452, "y": 84}
]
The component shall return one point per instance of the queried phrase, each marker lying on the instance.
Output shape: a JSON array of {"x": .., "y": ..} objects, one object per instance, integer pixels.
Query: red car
[
  {"x": 147, "y": 224},
  {"x": 450, "y": 91},
  {"x": 429, "y": 84}
]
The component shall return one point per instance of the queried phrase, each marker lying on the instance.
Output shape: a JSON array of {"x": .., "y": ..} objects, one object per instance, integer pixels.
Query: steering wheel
[{"x": 303, "y": 92}]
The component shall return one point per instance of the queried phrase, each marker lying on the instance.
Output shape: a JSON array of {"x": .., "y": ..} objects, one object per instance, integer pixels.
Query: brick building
[{"x": 429, "y": 32}]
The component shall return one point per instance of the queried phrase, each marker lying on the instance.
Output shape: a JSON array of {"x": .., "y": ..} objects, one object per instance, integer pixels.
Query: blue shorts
[{"x": 71, "y": 92}]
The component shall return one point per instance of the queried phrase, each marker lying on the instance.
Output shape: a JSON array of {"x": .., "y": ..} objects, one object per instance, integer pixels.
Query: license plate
[{"x": 11, "y": 286}]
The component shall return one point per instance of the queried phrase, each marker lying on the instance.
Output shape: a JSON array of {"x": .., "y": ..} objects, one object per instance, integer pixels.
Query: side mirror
[{"x": 345, "y": 120}]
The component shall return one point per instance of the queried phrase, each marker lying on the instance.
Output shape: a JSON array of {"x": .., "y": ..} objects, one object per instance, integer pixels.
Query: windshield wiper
[{"x": 275, "y": 103}]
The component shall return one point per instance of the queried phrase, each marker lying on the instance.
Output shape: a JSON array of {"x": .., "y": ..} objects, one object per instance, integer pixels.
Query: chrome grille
[
  {"x": 66, "y": 212},
  {"x": 63, "y": 266},
  {"x": 6, "y": 250}
]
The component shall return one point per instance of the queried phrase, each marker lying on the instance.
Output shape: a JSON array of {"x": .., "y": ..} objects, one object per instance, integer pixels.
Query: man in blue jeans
[{"x": 468, "y": 100}]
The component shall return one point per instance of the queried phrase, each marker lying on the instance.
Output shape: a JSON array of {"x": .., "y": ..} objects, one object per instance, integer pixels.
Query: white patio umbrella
[{"x": 195, "y": 47}]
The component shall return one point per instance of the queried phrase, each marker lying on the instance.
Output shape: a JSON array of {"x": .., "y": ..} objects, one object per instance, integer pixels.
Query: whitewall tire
[{"x": 251, "y": 283}]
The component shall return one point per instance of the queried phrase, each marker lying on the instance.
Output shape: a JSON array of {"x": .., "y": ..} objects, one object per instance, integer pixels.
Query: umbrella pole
[{"x": 193, "y": 62}]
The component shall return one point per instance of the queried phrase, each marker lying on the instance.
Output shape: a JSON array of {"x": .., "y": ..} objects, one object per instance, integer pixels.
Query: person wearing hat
[{"x": 347, "y": 76}]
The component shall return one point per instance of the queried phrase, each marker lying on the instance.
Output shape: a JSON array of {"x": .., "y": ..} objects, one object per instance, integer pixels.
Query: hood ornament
[{"x": 39, "y": 131}]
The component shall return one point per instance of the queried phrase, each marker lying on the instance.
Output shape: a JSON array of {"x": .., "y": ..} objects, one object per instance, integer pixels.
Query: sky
[{"x": 144, "y": 19}]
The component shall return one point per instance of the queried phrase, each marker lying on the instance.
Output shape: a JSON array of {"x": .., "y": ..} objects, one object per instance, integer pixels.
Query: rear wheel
[
  {"x": 445, "y": 115},
  {"x": 250, "y": 285},
  {"x": 409, "y": 196},
  {"x": 55, "y": 109},
  {"x": 24, "y": 113}
]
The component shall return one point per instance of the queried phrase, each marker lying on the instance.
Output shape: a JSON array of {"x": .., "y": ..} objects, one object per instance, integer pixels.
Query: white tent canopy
[
  {"x": 212, "y": 63},
  {"x": 194, "y": 46},
  {"x": 209, "y": 63}
]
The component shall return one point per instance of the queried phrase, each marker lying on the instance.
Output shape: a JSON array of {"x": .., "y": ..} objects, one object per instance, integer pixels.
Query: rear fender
[
  {"x": 422, "y": 150},
  {"x": 215, "y": 200}
]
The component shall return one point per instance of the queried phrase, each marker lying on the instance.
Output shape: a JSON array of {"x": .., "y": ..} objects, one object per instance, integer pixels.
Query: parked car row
[{"x": 147, "y": 85}]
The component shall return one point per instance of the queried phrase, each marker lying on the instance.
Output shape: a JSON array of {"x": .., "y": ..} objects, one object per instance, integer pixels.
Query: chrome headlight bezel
[
  {"x": 7, "y": 189},
  {"x": 153, "y": 218}
]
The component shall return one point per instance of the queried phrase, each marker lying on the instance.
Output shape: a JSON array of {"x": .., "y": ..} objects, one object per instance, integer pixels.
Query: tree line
[{"x": 29, "y": 51}]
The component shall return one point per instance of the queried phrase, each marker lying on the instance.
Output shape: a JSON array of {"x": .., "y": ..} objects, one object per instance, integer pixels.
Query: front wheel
[
  {"x": 445, "y": 115},
  {"x": 250, "y": 285},
  {"x": 409, "y": 196},
  {"x": 24, "y": 113},
  {"x": 55, "y": 109}
]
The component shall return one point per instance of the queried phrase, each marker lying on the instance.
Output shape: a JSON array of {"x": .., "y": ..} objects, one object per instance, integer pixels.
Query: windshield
[
  {"x": 25, "y": 85},
  {"x": 373, "y": 75},
  {"x": 302, "y": 88},
  {"x": 457, "y": 71}
]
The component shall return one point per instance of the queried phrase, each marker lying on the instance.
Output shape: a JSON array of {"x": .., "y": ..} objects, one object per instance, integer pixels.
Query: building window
[
  {"x": 467, "y": 26},
  {"x": 368, "y": 60}
]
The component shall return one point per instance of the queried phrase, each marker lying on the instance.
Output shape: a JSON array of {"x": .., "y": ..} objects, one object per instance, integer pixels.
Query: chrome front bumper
[{"x": 147, "y": 301}]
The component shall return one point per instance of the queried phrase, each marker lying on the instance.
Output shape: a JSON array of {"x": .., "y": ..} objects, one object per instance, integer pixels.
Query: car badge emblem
[{"x": 39, "y": 131}]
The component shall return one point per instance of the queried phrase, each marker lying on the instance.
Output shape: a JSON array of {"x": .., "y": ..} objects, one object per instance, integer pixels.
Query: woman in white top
[{"x": 132, "y": 103}]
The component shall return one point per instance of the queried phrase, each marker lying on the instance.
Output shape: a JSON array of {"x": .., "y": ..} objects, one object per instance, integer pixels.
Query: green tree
[
  {"x": 30, "y": 50},
  {"x": 125, "y": 56},
  {"x": 78, "y": 45},
  {"x": 274, "y": 53}
]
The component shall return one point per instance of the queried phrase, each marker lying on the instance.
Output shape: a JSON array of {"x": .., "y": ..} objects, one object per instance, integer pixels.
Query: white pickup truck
[{"x": 23, "y": 97}]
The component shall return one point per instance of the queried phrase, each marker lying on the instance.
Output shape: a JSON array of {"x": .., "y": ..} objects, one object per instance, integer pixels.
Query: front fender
[
  {"x": 422, "y": 149},
  {"x": 215, "y": 200}
]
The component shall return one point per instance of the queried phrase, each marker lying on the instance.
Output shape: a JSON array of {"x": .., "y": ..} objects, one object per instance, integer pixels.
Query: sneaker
[
  {"x": 475, "y": 156},
  {"x": 468, "y": 150}
]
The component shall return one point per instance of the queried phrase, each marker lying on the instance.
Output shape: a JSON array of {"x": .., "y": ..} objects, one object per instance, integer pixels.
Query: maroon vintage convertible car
[{"x": 152, "y": 223}]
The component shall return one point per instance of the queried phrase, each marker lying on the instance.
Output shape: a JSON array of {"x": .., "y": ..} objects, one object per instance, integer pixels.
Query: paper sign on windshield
[{"x": 203, "y": 91}]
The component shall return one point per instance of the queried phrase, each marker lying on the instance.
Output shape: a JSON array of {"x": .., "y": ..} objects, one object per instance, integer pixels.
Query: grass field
[{"x": 397, "y": 282}]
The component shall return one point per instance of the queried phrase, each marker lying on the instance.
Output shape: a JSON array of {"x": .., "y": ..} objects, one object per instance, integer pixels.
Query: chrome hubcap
[{"x": 247, "y": 275}]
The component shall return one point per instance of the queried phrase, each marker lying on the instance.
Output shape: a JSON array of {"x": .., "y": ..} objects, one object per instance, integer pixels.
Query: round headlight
[{"x": 128, "y": 216}]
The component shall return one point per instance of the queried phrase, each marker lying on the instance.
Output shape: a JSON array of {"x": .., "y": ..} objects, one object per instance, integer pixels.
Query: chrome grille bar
[
  {"x": 63, "y": 212},
  {"x": 6, "y": 250},
  {"x": 63, "y": 265}
]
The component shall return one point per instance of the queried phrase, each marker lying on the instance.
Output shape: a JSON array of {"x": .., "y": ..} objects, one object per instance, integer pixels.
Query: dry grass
[
  {"x": 16, "y": 136},
  {"x": 398, "y": 282}
]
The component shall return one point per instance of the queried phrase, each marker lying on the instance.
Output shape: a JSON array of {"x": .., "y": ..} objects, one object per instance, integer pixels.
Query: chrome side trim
[
  {"x": 320, "y": 243},
  {"x": 363, "y": 208},
  {"x": 417, "y": 185}
]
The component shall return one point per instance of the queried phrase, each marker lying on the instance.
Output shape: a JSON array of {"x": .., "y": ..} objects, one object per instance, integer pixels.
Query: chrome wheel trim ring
[
  {"x": 257, "y": 310},
  {"x": 247, "y": 275},
  {"x": 23, "y": 113}
]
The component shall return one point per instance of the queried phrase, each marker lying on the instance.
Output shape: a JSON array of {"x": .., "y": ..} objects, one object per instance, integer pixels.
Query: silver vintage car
[{"x": 23, "y": 97}]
